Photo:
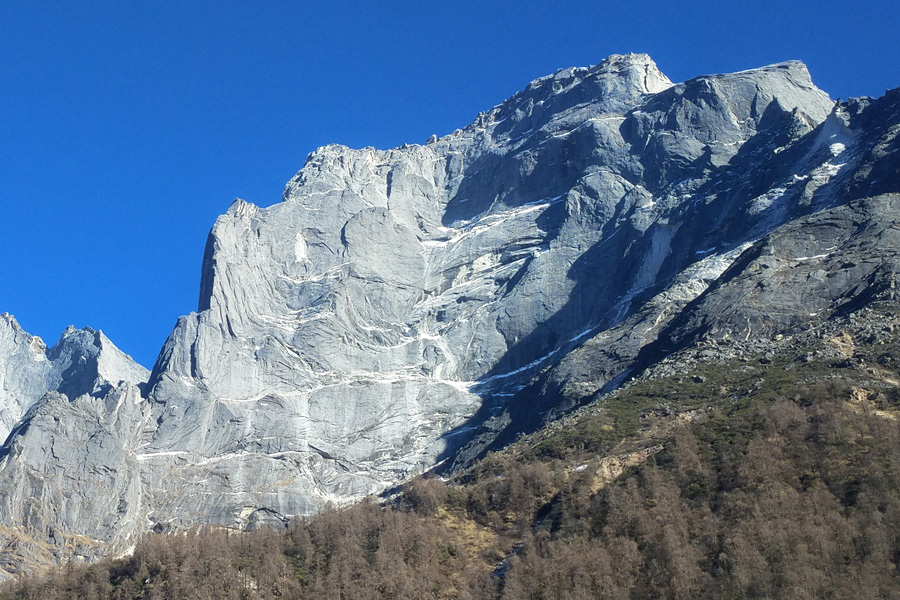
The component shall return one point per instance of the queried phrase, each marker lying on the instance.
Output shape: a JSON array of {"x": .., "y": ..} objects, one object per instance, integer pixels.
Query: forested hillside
[{"x": 770, "y": 476}]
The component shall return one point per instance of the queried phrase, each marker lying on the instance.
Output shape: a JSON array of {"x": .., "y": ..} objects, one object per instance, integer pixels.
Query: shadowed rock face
[{"x": 406, "y": 307}]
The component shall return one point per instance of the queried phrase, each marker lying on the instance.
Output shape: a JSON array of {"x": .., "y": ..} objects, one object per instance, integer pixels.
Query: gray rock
[
  {"x": 74, "y": 366},
  {"x": 411, "y": 307},
  {"x": 69, "y": 483}
]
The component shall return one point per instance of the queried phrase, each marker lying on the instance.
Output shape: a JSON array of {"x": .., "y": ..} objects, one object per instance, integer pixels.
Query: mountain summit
[{"x": 411, "y": 308}]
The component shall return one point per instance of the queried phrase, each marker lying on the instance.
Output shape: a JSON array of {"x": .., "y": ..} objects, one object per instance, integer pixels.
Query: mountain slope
[
  {"x": 417, "y": 306},
  {"x": 771, "y": 475},
  {"x": 393, "y": 294}
]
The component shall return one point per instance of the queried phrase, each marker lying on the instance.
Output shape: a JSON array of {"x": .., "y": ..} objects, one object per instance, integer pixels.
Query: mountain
[
  {"x": 413, "y": 308},
  {"x": 769, "y": 475}
]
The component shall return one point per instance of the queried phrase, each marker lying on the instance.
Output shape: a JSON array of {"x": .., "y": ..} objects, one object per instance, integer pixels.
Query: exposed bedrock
[{"x": 414, "y": 306}]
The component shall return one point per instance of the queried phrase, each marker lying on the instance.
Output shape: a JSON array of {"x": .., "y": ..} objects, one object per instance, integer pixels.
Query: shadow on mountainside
[{"x": 608, "y": 285}]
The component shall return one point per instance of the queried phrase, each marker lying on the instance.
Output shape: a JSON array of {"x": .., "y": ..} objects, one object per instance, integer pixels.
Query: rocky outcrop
[
  {"x": 411, "y": 307},
  {"x": 69, "y": 482},
  {"x": 82, "y": 362},
  {"x": 783, "y": 243},
  {"x": 346, "y": 336}
]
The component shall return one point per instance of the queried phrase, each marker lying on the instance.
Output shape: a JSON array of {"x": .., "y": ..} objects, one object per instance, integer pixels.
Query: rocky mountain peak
[
  {"x": 412, "y": 307},
  {"x": 12, "y": 334},
  {"x": 638, "y": 67},
  {"x": 620, "y": 77},
  {"x": 419, "y": 278},
  {"x": 83, "y": 361}
]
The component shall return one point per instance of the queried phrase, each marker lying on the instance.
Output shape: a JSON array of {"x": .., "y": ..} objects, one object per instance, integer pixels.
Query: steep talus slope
[{"x": 419, "y": 305}]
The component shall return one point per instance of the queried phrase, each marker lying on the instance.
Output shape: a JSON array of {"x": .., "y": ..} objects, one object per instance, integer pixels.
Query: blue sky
[{"x": 127, "y": 127}]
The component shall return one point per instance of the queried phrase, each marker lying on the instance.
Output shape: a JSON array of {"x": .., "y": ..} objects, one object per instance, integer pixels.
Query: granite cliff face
[{"x": 413, "y": 307}]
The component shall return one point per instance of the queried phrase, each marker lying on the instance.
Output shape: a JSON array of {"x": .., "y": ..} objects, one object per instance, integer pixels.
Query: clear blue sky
[{"x": 127, "y": 127}]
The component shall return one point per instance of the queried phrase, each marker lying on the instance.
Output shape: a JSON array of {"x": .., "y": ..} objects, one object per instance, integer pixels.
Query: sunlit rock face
[
  {"x": 347, "y": 335},
  {"x": 411, "y": 307}
]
